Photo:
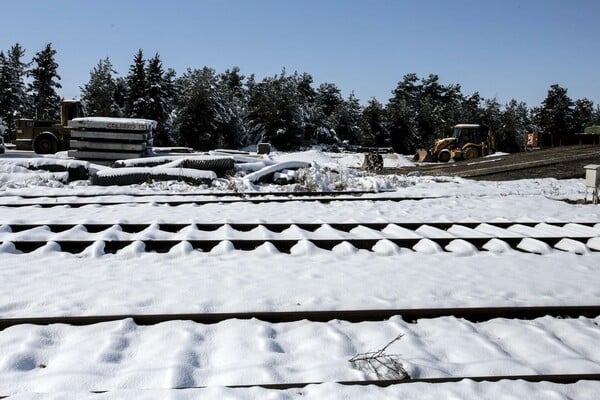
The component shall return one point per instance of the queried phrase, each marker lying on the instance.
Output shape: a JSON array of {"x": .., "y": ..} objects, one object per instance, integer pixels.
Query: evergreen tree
[
  {"x": 514, "y": 123},
  {"x": 45, "y": 100},
  {"x": 4, "y": 91},
  {"x": 328, "y": 98},
  {"x": 276, "y": 112},
  {"x": 471, "y": 111},
  {"x": 596, "y": 116},
  {"x": 402, "y": 110},
  {"x": 347, "y": 116},
  {"x": 13, "y": 97},
  {"x": 374, "y": 125},
  {"x": 98, "y": 94},
  {"x": 159, "y": 98},
  {"x": 120, "y": 96},
  {"x": 325, "y": 108},
  {"x": 197, "y": 109},
  {"x": 234, "y": 102},
  {"x": 556, "y": 114},
  {"x": 307, "y": 93},
  {"x": 136, "y": 104},
  {"x": 583, "y": 115}
]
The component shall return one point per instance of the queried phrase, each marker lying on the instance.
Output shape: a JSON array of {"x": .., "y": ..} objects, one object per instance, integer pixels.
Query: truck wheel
[
  {"x": 470, "y": 153},
  {"x": 45, "y": 143},
  {"x": 444, "y": 156}
]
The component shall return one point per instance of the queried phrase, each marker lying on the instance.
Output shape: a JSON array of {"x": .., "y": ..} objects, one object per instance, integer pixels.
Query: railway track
[
  {"x": 582, "y": 237},
  {"x": 106, "y": 193},
  {"x": 414, "y": 317},
  {"x": 449, "y": 236},
  {"x": 473, "y": 314},
  {"x": 66, "y": 201},
  {"x": 554, "y": 378}
]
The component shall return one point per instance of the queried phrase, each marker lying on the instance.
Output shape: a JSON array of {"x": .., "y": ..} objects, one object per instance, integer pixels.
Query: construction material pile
[{"x": 102, "y": 138}]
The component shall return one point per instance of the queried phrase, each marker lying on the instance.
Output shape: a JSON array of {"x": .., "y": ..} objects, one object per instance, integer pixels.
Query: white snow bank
[
  {"x": 123, "y": 355},
  {"x": 308, "y": 279},
  {"x": 40, "y": 162},
  {"x": 311, "y": 156}
]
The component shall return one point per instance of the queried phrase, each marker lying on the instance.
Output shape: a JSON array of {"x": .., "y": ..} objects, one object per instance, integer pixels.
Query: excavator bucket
[{"x": 423, "y": 155}]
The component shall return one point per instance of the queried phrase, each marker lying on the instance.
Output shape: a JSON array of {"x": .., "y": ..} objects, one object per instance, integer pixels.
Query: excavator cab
[{"x": 466, "y": 133}]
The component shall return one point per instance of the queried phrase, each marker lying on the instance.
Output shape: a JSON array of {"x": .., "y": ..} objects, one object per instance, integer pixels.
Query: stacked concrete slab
[{"x": 103, "y": 138}]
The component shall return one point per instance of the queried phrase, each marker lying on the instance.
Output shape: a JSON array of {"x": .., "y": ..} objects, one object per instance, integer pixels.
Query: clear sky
[{"x": 501, "y": 48}]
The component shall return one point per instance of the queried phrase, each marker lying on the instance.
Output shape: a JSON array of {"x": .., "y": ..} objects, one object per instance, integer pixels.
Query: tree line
[{"x": 206, "y": 109}]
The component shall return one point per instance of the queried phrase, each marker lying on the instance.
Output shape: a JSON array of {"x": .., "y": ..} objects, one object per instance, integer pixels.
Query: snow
[
  {"x": 134, "y": 124},
  {"x": 239, "y": 352},
  {"x": 132, "y": 361},
  {"x": 261, "y": 173},
  {"x": 465, "y": 390}
]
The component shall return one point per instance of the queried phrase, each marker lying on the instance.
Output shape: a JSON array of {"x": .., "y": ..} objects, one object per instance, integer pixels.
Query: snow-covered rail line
[
  {"x": 125, "y": 355},
  {"x": 533, "y": 237},
  {"x": 204, "y": 200},
  {"x": 410, "y": 315}
]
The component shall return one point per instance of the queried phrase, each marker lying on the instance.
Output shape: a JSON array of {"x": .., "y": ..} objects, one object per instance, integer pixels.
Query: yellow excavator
[{"x": 468, "y": 141}]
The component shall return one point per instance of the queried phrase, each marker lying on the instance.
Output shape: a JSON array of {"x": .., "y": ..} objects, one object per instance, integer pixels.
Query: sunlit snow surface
[{"x": 124, "y": 358}]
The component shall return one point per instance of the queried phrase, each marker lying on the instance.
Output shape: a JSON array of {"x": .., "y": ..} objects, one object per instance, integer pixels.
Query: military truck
[{"x": 48, "y": 136}]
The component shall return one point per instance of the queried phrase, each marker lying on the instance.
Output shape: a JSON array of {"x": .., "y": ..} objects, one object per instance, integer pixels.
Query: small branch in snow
[{"x": 381, "y": 364}]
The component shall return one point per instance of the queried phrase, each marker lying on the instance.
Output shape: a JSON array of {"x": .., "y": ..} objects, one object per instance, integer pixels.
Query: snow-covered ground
[{"x": 145, "y": 361}]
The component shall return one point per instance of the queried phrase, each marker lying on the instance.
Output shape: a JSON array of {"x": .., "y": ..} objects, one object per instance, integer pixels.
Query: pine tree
[
  {"x": 235, "y": 107},
  {"x": 98, "y": 94},
  {"x": 583, "y": 115},
  {"x": 513, "y": 125},
  {"x": 276, "y": 112},
  {"x": 159, "y": 97},
  {"x": 373, "y": 123},
  {"x": 402, "y": 110},
  {"x": 556, "y": 114},
  {"x": 347, "y": 117},
  {"x": 120, "y": 96},
  {"x": 4, "y": 91},
  {"x": 471, "y": 111},
  {"x": 13, "y": 97},
  {"x": 136, "y": 104},
  {"x": 44, "y": 83},
  {"x": 18, "y": 69},
  {"x": 197, "y": 108}
]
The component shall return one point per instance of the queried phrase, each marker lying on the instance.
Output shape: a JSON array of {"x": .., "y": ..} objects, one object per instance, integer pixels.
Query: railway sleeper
[
  {"x": 280, "y": 227},
  {"x": 541, "y": 245}
]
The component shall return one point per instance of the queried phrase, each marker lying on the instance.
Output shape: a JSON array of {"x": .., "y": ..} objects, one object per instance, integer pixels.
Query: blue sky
[{"x": 505, "y": 49}]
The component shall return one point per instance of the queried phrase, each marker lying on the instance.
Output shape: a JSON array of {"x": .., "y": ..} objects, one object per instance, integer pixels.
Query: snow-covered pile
[
  {"x": 137, "y": 175},
  {"x": 300, "y": 171}
]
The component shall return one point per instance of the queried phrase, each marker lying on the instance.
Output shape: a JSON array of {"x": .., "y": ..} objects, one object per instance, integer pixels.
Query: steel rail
[
  {"x": 550, "y": 378},
  {"x": 205, "y": 194},
  {"x": 257, "y": 200},
  {"x": 474, "y": 314}
]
